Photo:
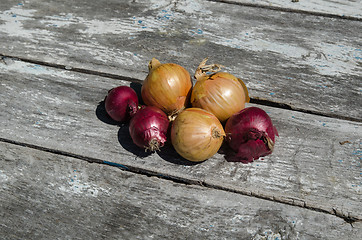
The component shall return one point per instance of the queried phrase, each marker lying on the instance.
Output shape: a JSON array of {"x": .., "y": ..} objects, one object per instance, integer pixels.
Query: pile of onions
[
  {"x": 121, "y": 103},
  {"x": 148, "y": 128},
  {"x": 167, "y": 86},
  {"x": 220, "y": 93},
  {"x": 251, "y": 134},
  {"x": 196, "y": 134}
]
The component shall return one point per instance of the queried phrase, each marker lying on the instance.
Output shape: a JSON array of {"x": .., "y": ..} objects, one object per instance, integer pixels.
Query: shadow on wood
[
  {"x": 124, "y": 138},
  {"x": 169, "y": 154},
  {"x": 102, "y": 115}
]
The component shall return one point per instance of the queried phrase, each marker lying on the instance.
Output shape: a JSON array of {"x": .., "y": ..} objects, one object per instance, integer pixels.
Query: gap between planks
[
  {"x": 282, "y": 9},
  {"x": 284, "y": 200},
  {"x": 259, "y": 101}
]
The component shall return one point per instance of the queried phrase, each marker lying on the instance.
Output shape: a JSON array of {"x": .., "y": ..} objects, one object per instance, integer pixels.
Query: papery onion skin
[
  {"x": 220, "y": 93},
  {"x": 196, "y": 134},
  {"x": 121, "y": 103},
  {"x": 251, "y": 134},
  {"x": 167, "y": 86},
  {"x": 148, "y": 128}
]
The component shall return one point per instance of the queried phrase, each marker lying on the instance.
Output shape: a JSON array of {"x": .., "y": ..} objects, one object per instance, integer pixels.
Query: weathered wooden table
[{"x": 68, "y": 172}]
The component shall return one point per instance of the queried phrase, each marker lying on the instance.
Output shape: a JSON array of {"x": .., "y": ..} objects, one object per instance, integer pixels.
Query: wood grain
[
  {"x": 48, "y": 196},
  {"x": 350, "y": 9},
  {"x": 305, "y": 62},
  {"x": 62, "y": 110}
]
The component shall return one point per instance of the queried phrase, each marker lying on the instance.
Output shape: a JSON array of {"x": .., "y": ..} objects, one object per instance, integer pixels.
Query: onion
[
  {"x": 121, "y": 103},
  {"x": 220, "y": 93},
  {"x": 196, "y": 134},
  {"x": 251, "y": 134},
  {"x": 148, "y": 128},
  {"x": 167, "y": 86}
]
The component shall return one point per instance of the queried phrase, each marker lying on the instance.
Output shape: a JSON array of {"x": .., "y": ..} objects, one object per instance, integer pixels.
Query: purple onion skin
[
  {"x": 251, "y": 134},
  {"x": 121, "y": 103},
  {"x": 148, "y": 128}
]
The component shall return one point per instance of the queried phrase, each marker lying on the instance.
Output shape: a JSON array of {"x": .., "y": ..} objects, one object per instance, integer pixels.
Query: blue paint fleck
[
  {"x": 324, "y": 124},
  {"x": 357, "y": 152},
  {"x": 20, "y": 4},
  {"x": 199, "y": 31},
  {"x": 144, "y": 27},
  {"x": 115, "y": 164},
  {"x": 358, "y": 58},
  {"x": 74, "y": 170},
  {"x": 293, "y": 116},
  {"x": 14, "y": 15},
  {"x": 72, "y": 180},
  {"x": 135, "y": 54},
  {"x": 271, "y": 94},
  {"x": 246, "y": 34},
  {"x": 164, "y": 10},
  {"x": 340, "y": 160},
  {"x": 139, "y": 21}
]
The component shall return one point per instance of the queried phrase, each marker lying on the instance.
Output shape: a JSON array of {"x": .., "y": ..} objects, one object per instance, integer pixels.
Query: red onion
[
  {"x": 121, "y": 103},
  {"x": 251, "y": 134},
  {"x": 148, "y": 128}
]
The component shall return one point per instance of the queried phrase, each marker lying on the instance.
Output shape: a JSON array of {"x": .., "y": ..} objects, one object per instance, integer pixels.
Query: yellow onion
[
  {"x": 167, "y": 86},
  {"x": 196, "y": 134},
  {"x": 220, "y": 93}
]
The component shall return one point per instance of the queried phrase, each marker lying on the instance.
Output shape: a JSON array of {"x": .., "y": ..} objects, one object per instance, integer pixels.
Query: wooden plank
[
  {"x": 302, "y": 61},
  {"x": 316, "y": 163},
  {"x": 351, "y": 9},
  {"x": 49, "y": 196}
]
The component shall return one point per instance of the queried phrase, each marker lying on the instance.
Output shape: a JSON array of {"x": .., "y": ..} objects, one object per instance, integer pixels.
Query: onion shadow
[
  {"x": 125, "y": 139},
  {"x": 103, "y": 116},
  {"x": 229, "y": 154},
  {"x": 169, "y": 154},
  {"x": 136, "y": 86}
]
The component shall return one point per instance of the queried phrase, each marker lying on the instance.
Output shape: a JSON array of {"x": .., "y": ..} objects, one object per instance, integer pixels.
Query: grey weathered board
[
  {"x": 49, "y": 196},
  {"x": 350, "y": 9},
  {"x": 61, "y": 110},
  {"x": 306, "y": 62},
  {"x": 61, "y": 156}
]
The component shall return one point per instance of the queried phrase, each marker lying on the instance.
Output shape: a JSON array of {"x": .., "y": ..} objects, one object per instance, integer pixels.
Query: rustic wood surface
[
  {"x": 96, "y": 201},
  {"x": 350, "y": 9},
  {"x": 299, "y": 61},
  {"x": 64, "y": 112},
  {"x": 67, "y": 171}
]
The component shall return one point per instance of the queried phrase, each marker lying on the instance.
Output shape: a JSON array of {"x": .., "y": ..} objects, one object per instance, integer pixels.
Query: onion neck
[
  {"x": 154, "y": 63},
  {"x": 132, "y": 108},
  {"x": 203, "y": 69}
]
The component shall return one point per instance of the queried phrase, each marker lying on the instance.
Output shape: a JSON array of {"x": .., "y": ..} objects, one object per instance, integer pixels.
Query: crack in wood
[
  {"x": 282, "y": 9},
  {"x": 283, "y": 199}
]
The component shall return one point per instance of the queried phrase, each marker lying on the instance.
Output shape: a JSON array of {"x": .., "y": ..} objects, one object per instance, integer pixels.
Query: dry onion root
[
  {"x": 167, "y": 86},
  {"x": 196, "y": 134},
  {"x": 220, "y": 93}
]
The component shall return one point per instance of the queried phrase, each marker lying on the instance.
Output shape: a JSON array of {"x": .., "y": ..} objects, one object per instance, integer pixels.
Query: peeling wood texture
[
  {"x": 48, "y": 196},
  {"x": 63, "y": 112},
  {"x": 68, "y": 171},
  {"x": 301, "y": 61}
]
